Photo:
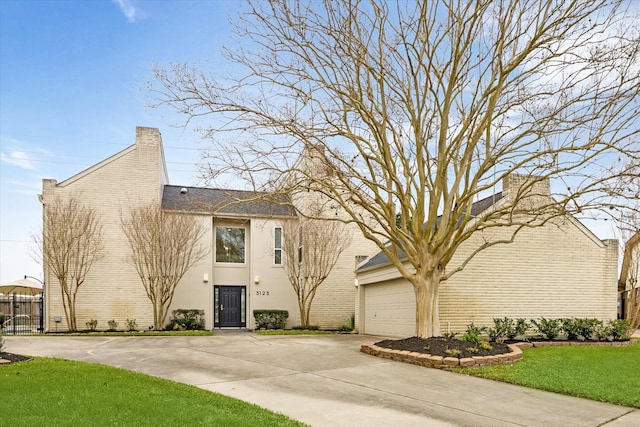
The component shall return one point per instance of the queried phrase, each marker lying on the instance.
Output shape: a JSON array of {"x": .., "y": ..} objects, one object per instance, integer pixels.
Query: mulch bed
[
  {"x": 13, "y": 358},
  {"x": 437, "y": 346}
]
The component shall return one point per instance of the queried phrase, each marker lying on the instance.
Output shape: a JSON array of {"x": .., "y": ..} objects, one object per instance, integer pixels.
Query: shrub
[
  {"x": 520, "y": 327},
  {"x": 571, "y": 327},
  {"x": 472, "y": 333},
  {"x": 132, "y": 325},
  {"x": 550, "y": 328},
  {"x": 92, "y": 324},
  {"x": 449, "y": 335},
  {"x": 270, "y": 319},
  {"x": 1, "y": 343},
  {"x": 2, "y": 317},
  {"x": 501, "y": 329},
  {"x": 586, "y": 327},
  {"x": 621, "y": 329},
  {"x": 603, "y": 332},
  {"x": 186, "y": 319},
  {"x": 113, "y": 325}
]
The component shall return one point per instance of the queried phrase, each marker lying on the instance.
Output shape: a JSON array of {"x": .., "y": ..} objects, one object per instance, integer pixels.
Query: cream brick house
[
  {"x": 557, "y": 270},
  {"x": 229, "y": 285}
]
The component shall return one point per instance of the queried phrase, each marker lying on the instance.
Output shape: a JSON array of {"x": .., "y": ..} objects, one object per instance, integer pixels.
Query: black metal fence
[{"x": 23, "y": 314}]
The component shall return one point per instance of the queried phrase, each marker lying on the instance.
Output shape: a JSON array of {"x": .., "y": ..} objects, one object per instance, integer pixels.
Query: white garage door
[{"x": 389, "y": 309}]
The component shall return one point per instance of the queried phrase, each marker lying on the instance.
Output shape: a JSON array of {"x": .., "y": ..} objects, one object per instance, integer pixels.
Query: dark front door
[{"x": 230, "y": 306}]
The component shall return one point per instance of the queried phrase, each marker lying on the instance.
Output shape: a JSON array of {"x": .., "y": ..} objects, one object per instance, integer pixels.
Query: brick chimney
[{"x": 529, "y": 185}]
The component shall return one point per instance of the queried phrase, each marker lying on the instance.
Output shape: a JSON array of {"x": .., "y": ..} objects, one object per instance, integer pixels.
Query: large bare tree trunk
[{"x": 427, "y": 307}]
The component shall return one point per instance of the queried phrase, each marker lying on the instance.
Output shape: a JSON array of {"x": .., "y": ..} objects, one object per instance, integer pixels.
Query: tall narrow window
[
  {"x": 277, "y": 246},
  {"x": 230, "y": 244}
]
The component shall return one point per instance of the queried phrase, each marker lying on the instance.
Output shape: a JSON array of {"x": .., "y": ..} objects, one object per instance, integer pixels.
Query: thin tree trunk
[{"x": 303, "y": 313}]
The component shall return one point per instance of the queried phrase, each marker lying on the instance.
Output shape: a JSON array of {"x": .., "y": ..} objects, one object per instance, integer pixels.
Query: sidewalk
[{"x": 326, "y": 381}]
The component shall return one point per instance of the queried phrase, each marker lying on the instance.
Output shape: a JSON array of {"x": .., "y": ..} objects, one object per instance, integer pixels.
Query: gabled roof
[
  {"x": 476, "y": 209},
  {"x": 226, "y": 202}
]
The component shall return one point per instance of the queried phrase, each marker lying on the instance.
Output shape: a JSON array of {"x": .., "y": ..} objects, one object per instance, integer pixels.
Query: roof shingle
[{"x": 226, "y": 202}]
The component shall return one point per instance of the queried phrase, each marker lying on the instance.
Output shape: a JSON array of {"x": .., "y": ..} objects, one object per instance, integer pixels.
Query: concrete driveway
[{"x": 324, "y": 380}]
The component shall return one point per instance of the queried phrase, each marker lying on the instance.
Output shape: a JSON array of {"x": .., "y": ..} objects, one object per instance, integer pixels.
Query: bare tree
[
  {"x": 71, "y": 243},
  {"x": 164, "y": 246},
  {"x": 311, "y": 249},
  {"x": 632, "y": 273},
  {"x": 418, "y": 109}
]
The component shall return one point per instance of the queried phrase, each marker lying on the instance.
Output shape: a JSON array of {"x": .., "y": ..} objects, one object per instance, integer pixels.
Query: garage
[{"x": 388, "y": 308}]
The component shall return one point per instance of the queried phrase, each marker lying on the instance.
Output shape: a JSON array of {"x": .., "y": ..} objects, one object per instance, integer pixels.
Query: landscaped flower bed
[{"x": 476, "y": 350}]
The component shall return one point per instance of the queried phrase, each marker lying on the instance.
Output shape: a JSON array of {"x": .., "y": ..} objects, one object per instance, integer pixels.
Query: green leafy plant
[
  {"x": 501, "y": 328},
  {"x": 485, "y": 345},
  {"x": 92, "y": 325},
  {"x": 603, "y": 332},
  {"x": 586, "y": 327},
  {"x": 472, "y": 333},
  {"x": 270, "y": 319},
  {"x": 453, "y": 352},
  {"x": 621, "y": 329},
  {"x": 520, "y": 327},
  {"x": 550, "y": 328},
  {"x": 186, "y": 319},
  {"x": 449, "y": 335},
  {"x": 571, "y": 327},
  {"x": 131, "y": 324},
  {"x": 113, "y": 325},
  {"x": 2, "y": 317},
  {"x": 473, "y": 350}
]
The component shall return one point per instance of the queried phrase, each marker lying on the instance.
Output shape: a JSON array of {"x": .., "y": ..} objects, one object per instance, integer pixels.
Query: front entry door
[{"x": 230, "y": 306}]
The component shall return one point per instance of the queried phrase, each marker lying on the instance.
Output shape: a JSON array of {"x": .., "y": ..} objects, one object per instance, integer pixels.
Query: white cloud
[
  {"x": 128, "y": 9},
  {"x": 17, "y": 158}
]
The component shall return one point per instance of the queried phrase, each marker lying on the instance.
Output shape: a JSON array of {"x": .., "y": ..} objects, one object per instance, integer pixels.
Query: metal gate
[{"x": 23, "y": 314}]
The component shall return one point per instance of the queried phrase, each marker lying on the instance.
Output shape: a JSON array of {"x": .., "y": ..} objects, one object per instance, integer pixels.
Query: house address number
[{"x": 262, "y": 293}]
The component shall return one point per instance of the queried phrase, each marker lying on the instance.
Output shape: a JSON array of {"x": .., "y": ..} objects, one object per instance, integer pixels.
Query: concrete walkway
[{"x": 324, "y": 380}]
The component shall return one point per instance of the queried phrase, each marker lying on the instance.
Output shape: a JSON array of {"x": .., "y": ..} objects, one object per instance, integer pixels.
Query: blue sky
[{"x": 72, "y": 91}]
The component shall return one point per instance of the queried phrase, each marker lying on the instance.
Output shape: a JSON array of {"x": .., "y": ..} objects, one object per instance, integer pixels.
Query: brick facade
[{"x": 137, "y": 176}]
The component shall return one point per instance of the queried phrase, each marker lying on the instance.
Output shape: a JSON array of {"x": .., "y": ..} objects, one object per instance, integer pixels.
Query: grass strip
[
  {"x": 607, "y": 374},
  {"x": 127, "y": 334},
  {"x": 294, "y": 332},
  {"x": 56, "y": 392}
]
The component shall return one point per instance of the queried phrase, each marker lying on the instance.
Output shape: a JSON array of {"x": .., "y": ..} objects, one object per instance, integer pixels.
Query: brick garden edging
[{"x": 440, "y": 362}]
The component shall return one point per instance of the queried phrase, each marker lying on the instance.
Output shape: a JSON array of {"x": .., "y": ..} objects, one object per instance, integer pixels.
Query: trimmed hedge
[
  {"x": 186, "y": 319},
  {"x": 270, "y": 319}
]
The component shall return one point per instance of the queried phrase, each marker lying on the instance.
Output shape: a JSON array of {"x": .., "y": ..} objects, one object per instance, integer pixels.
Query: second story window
[
  {"x": 277, "y": 246},
  {"x": 230, "y": 245}
]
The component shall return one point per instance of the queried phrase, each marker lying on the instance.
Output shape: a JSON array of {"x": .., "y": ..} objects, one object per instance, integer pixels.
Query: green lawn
[
  {"x": 55, "y": 392},
  {"x": 608, "y": 374}
]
